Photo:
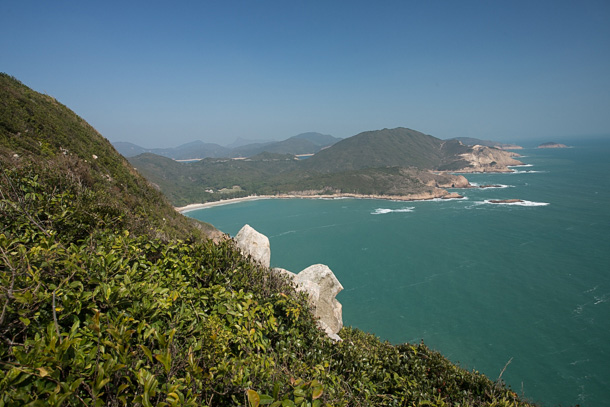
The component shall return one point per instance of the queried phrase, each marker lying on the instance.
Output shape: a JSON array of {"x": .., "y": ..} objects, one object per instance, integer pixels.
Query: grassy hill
[
  {"x": 398, "y": 147},
  {"x": 109, "y": 298}
]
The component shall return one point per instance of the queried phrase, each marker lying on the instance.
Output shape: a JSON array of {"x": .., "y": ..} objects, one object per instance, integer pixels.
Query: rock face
[
  {"x": 322, "y": 286},
  {"x": 505, "y": 201},
  {"x": 486, "y": 159},
  {"x": 255, "y": 244}
]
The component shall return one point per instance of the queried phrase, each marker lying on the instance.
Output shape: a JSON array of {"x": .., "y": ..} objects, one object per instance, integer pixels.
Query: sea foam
[
  {"x": 382, "y": 211},
  {"x": 526, "y": 172},
  {"x": 522, "y": 203}
]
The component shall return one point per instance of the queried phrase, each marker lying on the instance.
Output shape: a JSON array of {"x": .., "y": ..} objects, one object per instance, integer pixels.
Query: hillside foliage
[{"x": 106, "y": 300}]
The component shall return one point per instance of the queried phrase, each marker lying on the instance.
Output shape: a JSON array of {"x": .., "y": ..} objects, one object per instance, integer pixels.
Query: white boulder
[
  {"x": 255, "y": 244},
  {"x": 320, "y": 283}
]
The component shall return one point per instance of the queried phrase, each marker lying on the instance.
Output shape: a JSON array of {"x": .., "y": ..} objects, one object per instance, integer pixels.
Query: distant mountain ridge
[{"x": 304, "y": 143}]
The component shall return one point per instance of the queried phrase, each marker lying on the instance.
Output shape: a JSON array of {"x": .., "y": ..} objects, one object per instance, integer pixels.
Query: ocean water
[{"x": 485, "y": 284}]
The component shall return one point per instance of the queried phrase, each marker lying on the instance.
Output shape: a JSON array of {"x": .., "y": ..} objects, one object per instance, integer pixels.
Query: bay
[{"x": 485, "y": 284}]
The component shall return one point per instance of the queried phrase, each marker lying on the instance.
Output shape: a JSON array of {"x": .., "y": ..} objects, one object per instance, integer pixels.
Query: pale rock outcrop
[
  {"x": 255, "y": 244},
  {"x": 486, "y": 159},
  {"x": 318, "y": 281},
  {"x": 321, "y": 285}
]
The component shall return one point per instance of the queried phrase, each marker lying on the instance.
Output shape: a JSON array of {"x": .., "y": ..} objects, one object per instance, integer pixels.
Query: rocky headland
[{"x": 488, "y": 159}]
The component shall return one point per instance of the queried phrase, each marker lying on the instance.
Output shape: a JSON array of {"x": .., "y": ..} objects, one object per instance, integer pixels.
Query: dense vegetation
[
  {"x": 398, "y": 147},
  {"x": 109, "y": 300},
  {"x": 271, "y": 174}
]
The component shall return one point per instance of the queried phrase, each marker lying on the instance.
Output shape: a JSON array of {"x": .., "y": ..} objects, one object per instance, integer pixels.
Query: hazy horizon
[{"x": 158, "y": 74}]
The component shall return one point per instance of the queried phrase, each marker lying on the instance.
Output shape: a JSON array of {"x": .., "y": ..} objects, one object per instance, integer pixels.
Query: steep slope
[
  {"x": 39, "y": 133},
  {"x": 96, "y": 310}
]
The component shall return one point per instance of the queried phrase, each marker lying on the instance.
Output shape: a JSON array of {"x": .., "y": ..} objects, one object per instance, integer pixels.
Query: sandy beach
[{"x": 414, "y": 197}]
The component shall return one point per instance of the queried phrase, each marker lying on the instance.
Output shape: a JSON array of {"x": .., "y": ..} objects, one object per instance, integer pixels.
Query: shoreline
[{"x": 403, "y": 198}]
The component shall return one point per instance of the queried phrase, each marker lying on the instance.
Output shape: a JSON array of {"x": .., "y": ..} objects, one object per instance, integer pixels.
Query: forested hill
[
  {"x": 110, "y": 298},
  {"x": 400, "y": 147}
]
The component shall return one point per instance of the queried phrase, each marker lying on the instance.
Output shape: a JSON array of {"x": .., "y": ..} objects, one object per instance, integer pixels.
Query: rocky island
[
  {"x": 505, "y": 201},
  {"x": 552, "y": 144}
]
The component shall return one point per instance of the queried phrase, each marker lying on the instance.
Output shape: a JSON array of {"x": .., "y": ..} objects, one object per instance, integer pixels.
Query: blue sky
[{"x": 160, "y": 74}]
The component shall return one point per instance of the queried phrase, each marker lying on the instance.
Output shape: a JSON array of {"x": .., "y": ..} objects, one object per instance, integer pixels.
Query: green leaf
[
  {"x": 147, "y": 352},
  {"x": 317, "y": 392},
  {"x": 253, "y": 398},
  {"x": 288, "y": 403},
  {"x": 266, "y": 399}
]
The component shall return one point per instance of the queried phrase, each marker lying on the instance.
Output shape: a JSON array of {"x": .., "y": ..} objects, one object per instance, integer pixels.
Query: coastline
[{"x": 414, "y": 197}]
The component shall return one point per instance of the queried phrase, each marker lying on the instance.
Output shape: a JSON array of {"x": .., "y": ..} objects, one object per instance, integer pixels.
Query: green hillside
[
  {"x": 110, "y": 298},
  {"x": 398, "y": 147},
  {"x": 273, "y": 174}
]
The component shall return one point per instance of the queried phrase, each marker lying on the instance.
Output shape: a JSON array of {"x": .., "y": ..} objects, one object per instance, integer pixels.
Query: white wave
[
  {"x": 286, "y": 233},
  {"x": 526, "y": 172},
  {"x": 592, "y": 289},
  {"x": 521, "y": 203},
  {"x": 382, "y": 211},
  {"x": 498, "y": 186},
  {"x": 520, "y": 165}
]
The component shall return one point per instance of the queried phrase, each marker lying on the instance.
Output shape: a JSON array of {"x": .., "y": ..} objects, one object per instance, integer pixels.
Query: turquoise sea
[{"x": 484, "y": 284}]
